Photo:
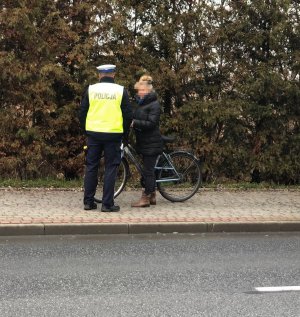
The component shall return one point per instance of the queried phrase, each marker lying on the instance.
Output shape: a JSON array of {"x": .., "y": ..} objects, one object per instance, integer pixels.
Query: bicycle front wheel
[
  {"x": 121, "y": 179},
  {"x": 181, "y": 179}
]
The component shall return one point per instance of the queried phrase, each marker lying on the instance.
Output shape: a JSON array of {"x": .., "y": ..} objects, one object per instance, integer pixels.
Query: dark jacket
[
  {"x": 146, "y": 126},
  {"x": 126, "y": 113}
]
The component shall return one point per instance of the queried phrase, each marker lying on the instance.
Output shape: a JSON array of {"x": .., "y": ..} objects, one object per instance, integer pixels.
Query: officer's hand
[{"x": 125, "y": 141}]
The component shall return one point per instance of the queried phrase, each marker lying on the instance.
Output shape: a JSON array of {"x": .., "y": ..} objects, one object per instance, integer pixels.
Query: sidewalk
[{"x": 50, "y": 211}]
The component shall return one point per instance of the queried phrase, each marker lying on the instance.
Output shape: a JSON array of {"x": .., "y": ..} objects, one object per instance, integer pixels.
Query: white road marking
[{"x": 278, "y": 289}]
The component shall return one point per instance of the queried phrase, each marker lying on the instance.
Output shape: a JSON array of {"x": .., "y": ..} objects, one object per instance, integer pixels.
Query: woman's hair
[{"x": 145, "y": 80}]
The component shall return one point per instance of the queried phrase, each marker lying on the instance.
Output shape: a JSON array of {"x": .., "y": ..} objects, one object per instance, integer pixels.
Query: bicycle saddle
[{"x": 168, "y": 139}]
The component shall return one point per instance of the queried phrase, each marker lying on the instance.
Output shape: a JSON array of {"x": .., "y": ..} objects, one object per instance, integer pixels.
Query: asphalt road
[{"x": 159, "y": 275}]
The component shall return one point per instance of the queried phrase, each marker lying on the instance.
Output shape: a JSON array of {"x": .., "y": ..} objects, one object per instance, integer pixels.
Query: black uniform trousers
[{"x": 112, "y": 159}]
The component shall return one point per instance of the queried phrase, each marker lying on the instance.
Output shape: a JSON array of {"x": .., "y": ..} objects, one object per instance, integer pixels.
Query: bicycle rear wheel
[
  {"x": 182, "y": 185},
  {"x": 121, "y": 179}
]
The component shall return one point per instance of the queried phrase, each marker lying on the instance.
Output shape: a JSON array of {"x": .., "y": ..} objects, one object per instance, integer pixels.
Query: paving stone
[{"x": 217, "y": 210}]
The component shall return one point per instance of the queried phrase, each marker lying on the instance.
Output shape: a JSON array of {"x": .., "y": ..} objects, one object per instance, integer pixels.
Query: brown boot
[
  {"x": 143, "y": 202},
  {"x": 153, "y": 198}
]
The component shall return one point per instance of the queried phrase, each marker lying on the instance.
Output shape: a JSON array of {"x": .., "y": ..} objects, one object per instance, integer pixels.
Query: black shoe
[
  {"x": 90, "y": 206},
  {"x": 114, "y": 208}
]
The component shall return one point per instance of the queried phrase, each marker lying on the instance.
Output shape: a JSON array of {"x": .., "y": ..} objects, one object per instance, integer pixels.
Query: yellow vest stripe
[{"x": 105, "y": 114}]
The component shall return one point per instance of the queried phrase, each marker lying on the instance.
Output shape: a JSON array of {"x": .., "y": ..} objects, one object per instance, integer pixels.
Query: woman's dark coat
[{"x": 146, "y": 126}]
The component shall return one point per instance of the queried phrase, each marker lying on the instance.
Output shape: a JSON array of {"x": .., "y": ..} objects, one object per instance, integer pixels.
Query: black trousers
[
  {"x": 112, "y": 159},
  {"x": 149, "y": 179}
]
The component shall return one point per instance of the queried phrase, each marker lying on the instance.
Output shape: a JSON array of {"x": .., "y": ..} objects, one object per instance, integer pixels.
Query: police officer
[{"x": 105, "y": 115}]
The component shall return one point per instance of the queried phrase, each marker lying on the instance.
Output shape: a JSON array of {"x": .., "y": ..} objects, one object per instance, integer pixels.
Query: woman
[{"x": 148, "y": 138}]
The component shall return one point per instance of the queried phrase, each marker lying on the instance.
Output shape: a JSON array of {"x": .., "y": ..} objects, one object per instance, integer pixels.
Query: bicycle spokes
[{"x": 179, "y": 176}]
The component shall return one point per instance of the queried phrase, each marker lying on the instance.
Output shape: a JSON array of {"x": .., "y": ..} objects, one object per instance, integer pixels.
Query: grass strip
[{"x": 78, "y": 183}]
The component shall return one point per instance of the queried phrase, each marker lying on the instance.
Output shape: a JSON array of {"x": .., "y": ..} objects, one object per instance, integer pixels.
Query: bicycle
[{"x": 178, "y": 175}]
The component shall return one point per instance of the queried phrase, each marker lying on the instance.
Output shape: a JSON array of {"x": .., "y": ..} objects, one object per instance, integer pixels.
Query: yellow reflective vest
[{"x": 105, "y": 114}]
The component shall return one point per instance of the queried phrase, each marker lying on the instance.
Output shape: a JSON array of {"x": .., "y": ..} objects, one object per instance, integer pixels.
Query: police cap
[{"x": 106, "y": 68}]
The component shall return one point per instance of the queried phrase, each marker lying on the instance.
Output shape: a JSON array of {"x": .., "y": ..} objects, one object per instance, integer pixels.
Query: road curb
[
  {"x": 247, "y": 227},
  {"x": 168, "y": 227},
  {"x": 140, "y": 228},
  {"x": 21, "y": 229},
  {"x": 86, "y": 228}
]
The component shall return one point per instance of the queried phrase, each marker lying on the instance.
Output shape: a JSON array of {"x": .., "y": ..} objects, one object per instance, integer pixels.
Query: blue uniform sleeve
[{"x": 84, "y": 108}]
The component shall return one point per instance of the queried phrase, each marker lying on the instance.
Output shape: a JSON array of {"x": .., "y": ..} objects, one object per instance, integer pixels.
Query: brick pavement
[{"x": 23, "y": 207}]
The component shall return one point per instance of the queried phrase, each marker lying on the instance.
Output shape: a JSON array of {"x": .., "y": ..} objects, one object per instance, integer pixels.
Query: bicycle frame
[
  {"x": 129, "y": 153},
  {"x": 169, "y": 167},
  {"x": 128, "y": 149}
]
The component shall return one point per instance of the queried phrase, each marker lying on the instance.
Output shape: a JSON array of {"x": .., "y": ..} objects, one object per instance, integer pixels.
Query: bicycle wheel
[
  {"x": 121, "y": 179},
  {"x": 182, "y": 185}
]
